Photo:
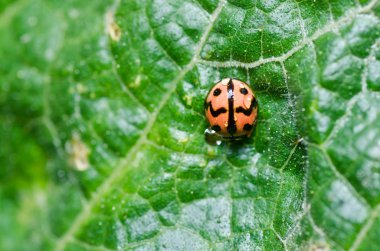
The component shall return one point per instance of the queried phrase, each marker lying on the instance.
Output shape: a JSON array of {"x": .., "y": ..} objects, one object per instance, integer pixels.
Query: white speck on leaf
[
  {"x": 112, "y": 27},
  {"x": 73, "y": 13},
  {"x": 32, "y": 21},
  {"x": 26, "y": 38},
  {"x": 78, "y": 152},
  {"x": 181, "y": 136}
]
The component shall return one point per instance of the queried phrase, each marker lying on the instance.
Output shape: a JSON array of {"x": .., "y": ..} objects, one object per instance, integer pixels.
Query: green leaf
[{"x": 101, "y": 125}]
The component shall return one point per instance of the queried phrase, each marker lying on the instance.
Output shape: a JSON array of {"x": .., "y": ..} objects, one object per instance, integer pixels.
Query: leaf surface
[{"x": 102, "y": 116}]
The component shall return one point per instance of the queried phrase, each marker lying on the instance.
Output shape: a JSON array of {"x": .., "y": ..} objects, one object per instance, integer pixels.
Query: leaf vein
[
  {"x": 366, "y": 227},
  {"x": 332, "y": 26}
]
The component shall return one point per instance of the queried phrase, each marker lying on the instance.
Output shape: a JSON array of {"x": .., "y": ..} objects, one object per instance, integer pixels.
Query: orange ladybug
[{"x": 231, "y": 109}]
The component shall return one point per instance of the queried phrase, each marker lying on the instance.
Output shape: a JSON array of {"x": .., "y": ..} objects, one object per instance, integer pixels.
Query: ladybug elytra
[{"x": 231, "y": 109}]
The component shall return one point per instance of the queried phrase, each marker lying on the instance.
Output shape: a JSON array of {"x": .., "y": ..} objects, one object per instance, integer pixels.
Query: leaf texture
[{"x": 102, "y": 144}]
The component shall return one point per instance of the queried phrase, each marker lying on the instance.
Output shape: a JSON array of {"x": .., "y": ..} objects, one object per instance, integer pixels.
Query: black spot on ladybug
[
  {"x": 216, "y": 128},
  {"x": 243, "y": 91},
  {"x": 248, "y": 111},
  {"x": 247, "y": 127},
  {"x": 217, "y": 92},
  {"x": 215, "y": 113}
]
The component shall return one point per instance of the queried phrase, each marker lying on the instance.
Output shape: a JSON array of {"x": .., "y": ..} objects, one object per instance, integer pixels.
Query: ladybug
[{"x": 231, "y": 109}]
